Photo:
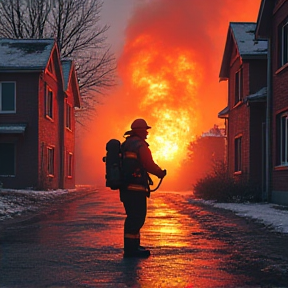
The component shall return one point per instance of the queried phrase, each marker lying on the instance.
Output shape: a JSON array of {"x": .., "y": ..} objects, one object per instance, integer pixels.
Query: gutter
[{"x": 266, "y": 194}]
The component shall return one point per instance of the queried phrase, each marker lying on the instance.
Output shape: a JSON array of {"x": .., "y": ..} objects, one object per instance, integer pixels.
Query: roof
[
  {"x": 259, "y": 96},
  {"x": 224, "y": 113},
  {"x": 25, "y": 54},
  {"x": 242, "y": 35},
  {"x": 66, "y": 69},
  {"x": 69, "y": 76},
  {"x": 12, "y": 128},
  {"x": 263, "y": 29}
]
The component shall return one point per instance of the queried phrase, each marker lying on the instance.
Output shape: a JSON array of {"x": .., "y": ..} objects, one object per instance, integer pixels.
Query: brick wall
[
  {"x": 48, "y": 134},
  {"x": 279, "y": 99},
  {"x": 69, "y": 143},
  {"x": 238, "y": 122},
  {"x": 26, "y": 144}
]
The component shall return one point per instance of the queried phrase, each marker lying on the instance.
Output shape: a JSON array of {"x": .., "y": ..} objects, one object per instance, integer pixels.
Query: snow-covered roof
[
  {"x": 25, "y": 54},
  {"x": 244, "y": 35},
  {"x": 12, "y": 128},
  {"x": 69, "y": 74},
  {"x": 259, "y": 96}
]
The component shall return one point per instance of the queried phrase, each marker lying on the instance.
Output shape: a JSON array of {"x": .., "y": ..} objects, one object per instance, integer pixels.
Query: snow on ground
[
  {"x": 17, "y": 202},
  {"x": 272, "y": 215}
]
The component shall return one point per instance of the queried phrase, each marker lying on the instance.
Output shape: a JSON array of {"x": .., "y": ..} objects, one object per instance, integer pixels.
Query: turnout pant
[{"x": 135, "y": 204}]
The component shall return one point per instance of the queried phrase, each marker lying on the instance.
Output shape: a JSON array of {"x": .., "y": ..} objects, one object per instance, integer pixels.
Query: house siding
[
  {"x": 279, "y": 104},
  {"x": 69, "y": 139},
  {"x": 257, "y": 122},
  {"x": 238, "y": 121},
  {"x": 49, "y": 134},
  {"x": 26, "y": 144},
  {"x": 246, "y": 117}
]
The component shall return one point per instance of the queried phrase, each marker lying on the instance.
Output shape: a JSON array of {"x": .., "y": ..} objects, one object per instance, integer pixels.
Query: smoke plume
[{"x": 168, "y": 75}]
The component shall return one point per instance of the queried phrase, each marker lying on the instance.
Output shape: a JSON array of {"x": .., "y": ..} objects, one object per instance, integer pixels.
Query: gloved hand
[{"x": 164, "y": 173}]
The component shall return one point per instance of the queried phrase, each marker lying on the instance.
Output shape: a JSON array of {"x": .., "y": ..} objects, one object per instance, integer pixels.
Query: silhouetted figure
[{"x": 137, "y": 161}]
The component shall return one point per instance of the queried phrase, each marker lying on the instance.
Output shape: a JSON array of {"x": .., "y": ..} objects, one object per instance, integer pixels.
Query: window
[
  {"x": 238, "y": 156},
  {"x": 69, "y": 165},
  {"x": 7, "y": 159},
  {"x": 238, "y": 86},
  {"x": 49, "y": 103},
  {"x": 283, "y": 43},
  {"x": 50, "y": 161},
  {"x": 68, "y": 116},
  {"x": 282, "y": 138},
  {"x": 7, "y": 97}
]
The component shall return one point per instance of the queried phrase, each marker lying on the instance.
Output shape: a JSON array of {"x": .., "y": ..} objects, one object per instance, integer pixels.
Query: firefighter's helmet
[{"x": 139, "y": 124}]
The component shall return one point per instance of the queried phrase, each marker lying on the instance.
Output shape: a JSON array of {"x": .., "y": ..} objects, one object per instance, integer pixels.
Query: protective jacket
[{"x": 137, "y": 161}]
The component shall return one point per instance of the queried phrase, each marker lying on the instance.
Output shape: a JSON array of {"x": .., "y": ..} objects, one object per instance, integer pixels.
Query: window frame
[
  {"x": 1, "y": 109},
  {"x": 68, "y": 118},
  {"x": 238, "y": 154},
  {"x": 282, "y": 139},
  {"x": 70, "y": 165},
  {"x": 283, "y": 43},
  {"x": 51, "y": 161},
  {"x": 49, "y": 103},
  {"x": 238, "y": 86}
]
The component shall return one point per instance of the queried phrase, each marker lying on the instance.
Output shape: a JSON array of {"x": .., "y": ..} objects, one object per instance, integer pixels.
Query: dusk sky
[{"x": 169, "y": 54}]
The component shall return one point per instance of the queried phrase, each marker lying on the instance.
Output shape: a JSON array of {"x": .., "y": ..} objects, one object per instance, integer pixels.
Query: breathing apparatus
[
  {"x": 117, "y": 172},
  {"x": 113, "y": 164}
]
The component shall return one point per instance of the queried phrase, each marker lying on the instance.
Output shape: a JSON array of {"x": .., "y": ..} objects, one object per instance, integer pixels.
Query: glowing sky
[{"x": 169, "y": 55}]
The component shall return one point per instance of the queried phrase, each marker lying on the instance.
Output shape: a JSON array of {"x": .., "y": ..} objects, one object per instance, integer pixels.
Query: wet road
[{"x": 79, "y": 244}]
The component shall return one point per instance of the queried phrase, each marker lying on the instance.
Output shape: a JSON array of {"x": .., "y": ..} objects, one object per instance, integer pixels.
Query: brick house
[
  {"x": 272, "y": 25},
  {"x": 38, "y": 94},
  {"x": 244, "y": 66}
]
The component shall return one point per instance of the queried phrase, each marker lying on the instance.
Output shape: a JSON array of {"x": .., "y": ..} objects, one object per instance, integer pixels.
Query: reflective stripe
[
  {"x": 132, "y": 236},
  {"x": 136, "y": 187},
  {"x": 129, "y": 154}
]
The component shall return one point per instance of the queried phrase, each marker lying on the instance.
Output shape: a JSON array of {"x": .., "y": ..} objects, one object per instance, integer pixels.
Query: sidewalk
[{"x": 272, "y": 215}]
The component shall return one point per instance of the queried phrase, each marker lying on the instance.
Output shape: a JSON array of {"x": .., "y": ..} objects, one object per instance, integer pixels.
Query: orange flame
[{"x": 167, "y": 81}]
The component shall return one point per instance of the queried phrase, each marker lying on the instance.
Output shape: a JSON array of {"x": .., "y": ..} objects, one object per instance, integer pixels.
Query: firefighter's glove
[{"x": 164, "y": 172}]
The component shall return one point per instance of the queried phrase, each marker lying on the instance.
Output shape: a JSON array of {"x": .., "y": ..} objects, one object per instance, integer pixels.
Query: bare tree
[{"x": 75, "y": 26}]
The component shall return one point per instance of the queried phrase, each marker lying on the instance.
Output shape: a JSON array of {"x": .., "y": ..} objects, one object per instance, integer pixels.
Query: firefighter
[{"x": 137, "y": 161}]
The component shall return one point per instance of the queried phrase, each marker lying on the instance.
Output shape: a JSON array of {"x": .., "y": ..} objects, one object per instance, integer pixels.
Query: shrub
[{"x": 219, "y": 186}]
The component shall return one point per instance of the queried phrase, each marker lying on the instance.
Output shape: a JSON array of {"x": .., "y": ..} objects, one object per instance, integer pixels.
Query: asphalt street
[{"x": 79, "y": 243}]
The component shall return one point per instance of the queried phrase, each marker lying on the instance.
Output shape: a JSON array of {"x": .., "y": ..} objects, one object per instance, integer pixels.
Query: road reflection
[
  {"x": 81, "y": 245},
  {"x": 183, "y": 254}
]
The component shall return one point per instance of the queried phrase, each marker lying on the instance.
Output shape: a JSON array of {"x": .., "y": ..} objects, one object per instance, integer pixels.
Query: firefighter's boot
[
  {"x": 132, "y": 248},
  {"x": 139, "y": 246}
]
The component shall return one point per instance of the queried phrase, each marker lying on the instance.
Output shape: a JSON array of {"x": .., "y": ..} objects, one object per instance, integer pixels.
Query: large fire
[
  {"x": 169, "y": 71},
  {"x": 166, "y": 81}
]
